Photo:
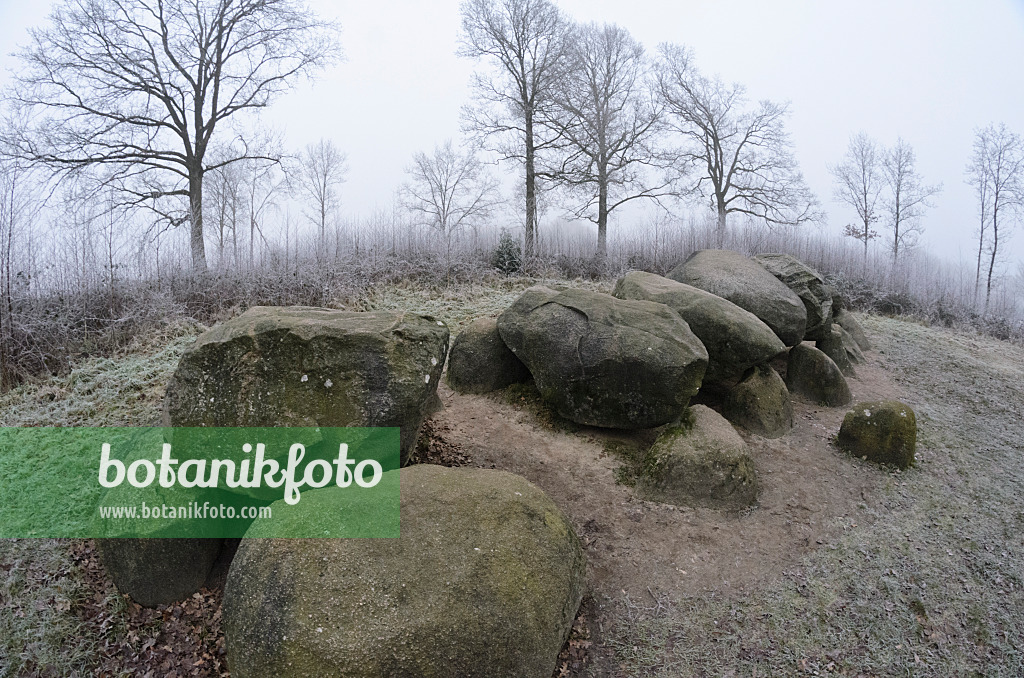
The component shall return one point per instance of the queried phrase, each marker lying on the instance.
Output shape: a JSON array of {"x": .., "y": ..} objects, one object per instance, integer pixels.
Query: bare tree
[
  {"x": 609, "y": 123},
  {"x": 449, "y": 191},
  {"x": 858, "y": 183},
  {"x": 525, "y": 42},
  {"x": 321, "y": 170},
  {"x": 996, "y": 171},
  {"x": 141, "y": 87},
  {"x": 908, "y": 196},
  {"x": 743, "y": 156}
]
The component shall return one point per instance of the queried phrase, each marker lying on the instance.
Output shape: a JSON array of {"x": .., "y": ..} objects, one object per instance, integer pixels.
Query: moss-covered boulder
[
  {"x": 158, "y": 571},
  {"x": 735, "y": 339},
  {"x": 809, "y": 285},
  {"x": 485, "y": 580},
  {"x": 845, "y": 319},
  {"x": 701, "y": 461},
  {"x": 302, "y": 366},
  {"x": 480, "y": 362},
  {"x": 815, "y": 376},
  {"x": 750, "y": 286},
  {"x": 602, "y": 361},
  {"x": 760, "y": 403},
  {"x": 884, "y": 432},
  {"x": 834, "y": 347}
]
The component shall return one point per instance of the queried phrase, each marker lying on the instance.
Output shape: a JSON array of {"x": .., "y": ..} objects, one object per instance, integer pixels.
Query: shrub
[{"x": 508, "y": 255}]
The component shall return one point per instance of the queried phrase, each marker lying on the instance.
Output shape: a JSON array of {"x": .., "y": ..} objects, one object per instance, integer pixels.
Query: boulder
[
  {"x": 158, "y": 571},
  {"x": 760, "y": 403},
  {"x": 750, "y": 286},
  {"x": 735, "y": 339},
  {"x": 834, "y": 347},
  {"x": 602, "y": 361},
  {"x": 302, "y": 366},
  {"x": 699, "y": 462},
  {"x": 846, "y": 320},
  {"x": 884, "y": 432},
  {"x": 814, "y": 375},
  {"x": 853, "y": 351},
  {"x": 809, "y": 285},
  {"x": 485, "y": 580},
  {"x": 480, "y": 362}
]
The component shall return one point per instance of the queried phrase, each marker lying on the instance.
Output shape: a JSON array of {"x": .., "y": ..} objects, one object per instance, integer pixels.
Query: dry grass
[{"x": 934, "y": 586}]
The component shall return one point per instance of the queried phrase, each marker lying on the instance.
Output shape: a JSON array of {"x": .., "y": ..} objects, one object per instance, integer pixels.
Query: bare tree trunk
[
  {"x": 602, "y": 217},
  {"x": 531, "y": 190},
  {"x": 198, "y": 246},
  {"x": 720, "y": 232},
  {"x": 995, "y": 249}
]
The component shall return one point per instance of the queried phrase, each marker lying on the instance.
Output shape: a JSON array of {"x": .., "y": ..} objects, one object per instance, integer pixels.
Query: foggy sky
[{"x": 929, "y": 71}]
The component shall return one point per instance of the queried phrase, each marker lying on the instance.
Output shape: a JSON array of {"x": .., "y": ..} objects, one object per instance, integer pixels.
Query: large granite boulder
[
  {"x": 809, "y": 285},
  {"x": 700, "y": 462},
  {"x": 302, "y": 366},
  {"x": 735, "y": 339},
  {"x": 602, "y": 361},
  {"x": 480, "y": 362},
  {"x": 814, "y": 375},
  {"x": 750, "y": 286},
  {"x": 834, "y": 346},
  {"x": 853, "y": 350},
  {"x": 760, "y": 403},
  {"x": 884, "y": 432},
  {"x": 158, "y": 571},
  {"x": 485, "y": 580},
  {"x": 846, "y": 320}
]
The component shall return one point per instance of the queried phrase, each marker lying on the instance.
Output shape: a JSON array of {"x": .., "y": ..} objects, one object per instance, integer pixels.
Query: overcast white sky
[{"x": 930, "y": 71}]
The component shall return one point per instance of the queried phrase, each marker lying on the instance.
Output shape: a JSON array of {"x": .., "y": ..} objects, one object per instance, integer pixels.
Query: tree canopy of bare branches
[
  {"x": 858, "y": 183},
  {"x": 908, "y": 196},
  {"x": 996, "y": 171},
  {"x": 743, "y": 155},
  {"x": 525, "y": 43},
  {"x": 320, "y": 171},
  {"x": 449, "y": 190},
  {"x": 144, "y": 89},
  {"x": 608, "y": 125}
]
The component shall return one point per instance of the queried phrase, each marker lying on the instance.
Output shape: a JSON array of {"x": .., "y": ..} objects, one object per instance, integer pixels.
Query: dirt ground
[{"x": 654, "y": 552}]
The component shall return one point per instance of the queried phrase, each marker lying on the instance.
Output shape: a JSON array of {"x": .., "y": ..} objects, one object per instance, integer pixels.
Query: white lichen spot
[
  {"x": 519, "y": 494},
  {"x": 433, "y": 361},
  {"x": 305, "y": 378},
  {"x": 211, "y": 400},
  {"x": 867, "y": 413},
  {"x": 903, "y": 414},
  {"x": 328, "y": 383},
  {"x": 319, "y": 629},
  {"x": 426, "y": 379},
  {"x": 440, "y": 323}
]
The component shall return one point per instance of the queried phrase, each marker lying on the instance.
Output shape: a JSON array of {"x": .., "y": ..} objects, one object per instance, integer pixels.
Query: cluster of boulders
[
  {"x": 485, "y": 579},
  {"x": 488, "y": 573},
  {"x": 634, "y": 359}
]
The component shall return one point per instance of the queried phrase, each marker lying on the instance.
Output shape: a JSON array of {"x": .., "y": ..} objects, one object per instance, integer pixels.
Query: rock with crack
[
  {"x": 735, "y": 339},
  {"x": 846, "y": 320},
  {"x": 485, "y": 580},
  {"x": 303, "y": 366},
  {"x": 760, "y": 403},
  {"x": 701, "y": 461},
  {"x": 809, "y": 285},
  {"x": 834, "y": 346},
  {"x": 750, "y": 286},
  {"x": 480, "y": 362},
  {"x": 884, "y": 432},
  {"x": 814, "y": 375},
  {"x": 602, "y": 361}
]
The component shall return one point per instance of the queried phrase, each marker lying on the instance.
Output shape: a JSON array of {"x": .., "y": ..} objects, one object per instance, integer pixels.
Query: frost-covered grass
[{"x": 934, "y": 586}]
